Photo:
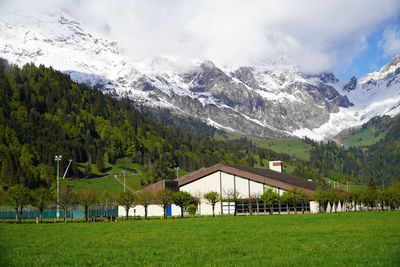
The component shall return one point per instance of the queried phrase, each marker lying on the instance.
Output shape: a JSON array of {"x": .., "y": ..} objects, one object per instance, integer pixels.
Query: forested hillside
[
  {"x": 379, "y": 161},
  {"x": 189, "y": 124},
  {"x": 43, "y": 114}
]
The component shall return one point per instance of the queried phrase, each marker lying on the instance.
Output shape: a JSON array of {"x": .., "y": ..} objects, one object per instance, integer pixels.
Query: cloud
[
  {"x": 311, "y": 34},
  {"x": 391, "y": 41}
]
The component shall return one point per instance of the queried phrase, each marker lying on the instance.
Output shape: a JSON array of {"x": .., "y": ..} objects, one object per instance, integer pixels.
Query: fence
[
  {"x": 244, "y": 207},
  {"x": 76, "y": 212}
]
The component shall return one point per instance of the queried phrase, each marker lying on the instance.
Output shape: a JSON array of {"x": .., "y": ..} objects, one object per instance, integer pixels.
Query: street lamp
[
  {"x": 58, "y": 159},
  {"x": 123, "y": 171}
]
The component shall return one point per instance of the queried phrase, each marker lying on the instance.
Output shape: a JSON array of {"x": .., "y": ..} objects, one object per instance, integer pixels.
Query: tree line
[
  {"x": 371, "y": 198},
  {"x": 19, "y": 196}
]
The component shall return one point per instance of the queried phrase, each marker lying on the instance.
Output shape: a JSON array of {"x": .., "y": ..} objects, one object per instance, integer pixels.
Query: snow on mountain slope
[
  {"x": 375, "y": 94},
  {"x": 57, "y": 40},
  {"x": 249, "y": 100}
]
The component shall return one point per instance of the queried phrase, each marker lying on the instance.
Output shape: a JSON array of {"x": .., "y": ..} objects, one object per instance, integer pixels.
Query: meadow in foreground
[{"x": 342, "y": 239}]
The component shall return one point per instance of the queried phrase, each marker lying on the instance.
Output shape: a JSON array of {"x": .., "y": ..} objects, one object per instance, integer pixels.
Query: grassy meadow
[
  {"x": 364, "y": 137},
  {"x": 294, "y": 147},
  {"x": 343, "y": 186},
  {"x": 342, "y": 239},
  {"x": 106, "y": 182}
]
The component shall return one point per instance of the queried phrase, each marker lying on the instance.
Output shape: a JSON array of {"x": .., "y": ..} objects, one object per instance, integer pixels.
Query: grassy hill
[
  {"x": 369, "y": 133},
  {"x": 291, "y": 146},
  {"x": 111, "y": 179},
  {"x": 341, "y": 239},
  {"x": 363, "y": 136},
  {"x": 344, "y": 186}
]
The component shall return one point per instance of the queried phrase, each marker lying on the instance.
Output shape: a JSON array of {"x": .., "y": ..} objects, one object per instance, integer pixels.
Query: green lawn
[{"x": 347, "y": 239}]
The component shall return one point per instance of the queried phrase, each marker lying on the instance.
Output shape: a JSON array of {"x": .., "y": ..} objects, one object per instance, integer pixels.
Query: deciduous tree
[
  {"x": 41, "y": 198},
  {"x": 320, "y": 195},
  {"x": 164, "y": 198},
  {"x": 66, "y": 198},
  {"x": 87, "y": 197},
  {"x": 253, "y": 199},
  {"x": 127, "y": 200},
  {"x": 269, "y": 197},
  {"x": 18, "y": 197},
  {"x": 233, "y": 196},
  {"x": 145, "y": 198},
  {"x": 182, "y": 199},
  {"x": 107, "y": 200},
  {"x": 212, "y": 197},
  {"x": 192, "y": 208}
]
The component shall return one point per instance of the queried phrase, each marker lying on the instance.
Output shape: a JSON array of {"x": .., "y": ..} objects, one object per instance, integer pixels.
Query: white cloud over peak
[
  {"x": 391, "y": 41},
  {"x": 311, "y": 34}
]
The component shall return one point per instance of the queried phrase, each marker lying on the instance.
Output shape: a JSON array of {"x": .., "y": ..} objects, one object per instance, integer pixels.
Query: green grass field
[
  {"x": 294, "y": 147},
  {"x": 109, "y": 183},
  {"x": 347, "y": 239},
  {"x": 364, "y": 137},
  {"x": 344, "y": 186}
]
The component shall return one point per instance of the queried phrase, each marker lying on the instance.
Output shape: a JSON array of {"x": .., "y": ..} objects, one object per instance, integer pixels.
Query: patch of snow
[{"x": 220, "y": 126}]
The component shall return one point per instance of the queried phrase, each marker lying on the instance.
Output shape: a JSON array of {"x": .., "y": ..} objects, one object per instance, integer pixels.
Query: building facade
[{"x": 246, "y": 183}]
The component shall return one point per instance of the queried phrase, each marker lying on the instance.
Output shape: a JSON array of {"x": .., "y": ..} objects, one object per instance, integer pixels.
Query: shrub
[{"x": 192, "y": 209}]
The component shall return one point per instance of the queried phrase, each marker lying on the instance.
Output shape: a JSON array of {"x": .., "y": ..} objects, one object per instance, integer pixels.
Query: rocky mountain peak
[
  {"x": 327, "y": 77},
  {"x": 351, "y": 85},
  {"x": 394, "y": 64}
]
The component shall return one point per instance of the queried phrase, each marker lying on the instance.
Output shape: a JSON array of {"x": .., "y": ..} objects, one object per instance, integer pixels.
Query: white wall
[
  {"x": 152, "y": 210},
  {"x": 275, "y": 165},
  {"x": 242, "y": 187},
  {"x": 314, "y": 207},
  {"x": 256, "y": 188},
  {"x": 205, "y": 185},
  {"x": 229, "y": 183}
]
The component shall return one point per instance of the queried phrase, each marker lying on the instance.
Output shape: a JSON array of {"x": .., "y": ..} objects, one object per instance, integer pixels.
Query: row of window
[{"x": 245, "y": 207}]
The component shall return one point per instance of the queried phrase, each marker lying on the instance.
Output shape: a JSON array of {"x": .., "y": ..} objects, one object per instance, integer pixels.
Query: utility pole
[
  {"x": 123, "y": 171},
  {"x": 347, "y": 186},
  {"x": 177, "y": 172},
  {"x": 58, "y": 159}
]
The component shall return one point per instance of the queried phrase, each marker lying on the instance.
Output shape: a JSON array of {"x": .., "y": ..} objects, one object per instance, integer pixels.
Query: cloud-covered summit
[{"x": 313, "y": 35}]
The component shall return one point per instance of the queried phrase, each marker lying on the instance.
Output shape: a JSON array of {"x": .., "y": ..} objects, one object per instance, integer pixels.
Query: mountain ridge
[{"x": 249, "y": 100}]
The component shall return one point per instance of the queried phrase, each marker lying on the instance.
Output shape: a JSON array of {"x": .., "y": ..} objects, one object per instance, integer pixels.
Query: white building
[{"x": 247, "y": 182}]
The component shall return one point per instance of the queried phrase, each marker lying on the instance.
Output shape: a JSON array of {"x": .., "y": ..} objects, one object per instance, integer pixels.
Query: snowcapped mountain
[
  {"x": 248, "y": 100},
  {"x": 375, "y": 94}
]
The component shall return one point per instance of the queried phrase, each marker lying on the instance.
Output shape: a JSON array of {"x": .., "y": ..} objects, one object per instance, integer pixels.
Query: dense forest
[
  {"x": 43, "y": 113},
  {"x": 186, "y": 123}
]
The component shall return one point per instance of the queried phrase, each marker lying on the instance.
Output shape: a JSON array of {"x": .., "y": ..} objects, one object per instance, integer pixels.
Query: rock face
[
  {"x": 351, "y": 85},
  {"x": 249, "y": 100}
]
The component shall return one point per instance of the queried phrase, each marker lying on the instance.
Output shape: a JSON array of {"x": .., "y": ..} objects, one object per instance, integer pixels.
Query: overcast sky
[{"x": 344, "y": 36}]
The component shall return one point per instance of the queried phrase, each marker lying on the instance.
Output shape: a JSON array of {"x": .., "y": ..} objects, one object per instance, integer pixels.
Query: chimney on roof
[{"x": 275, "y": 165}]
